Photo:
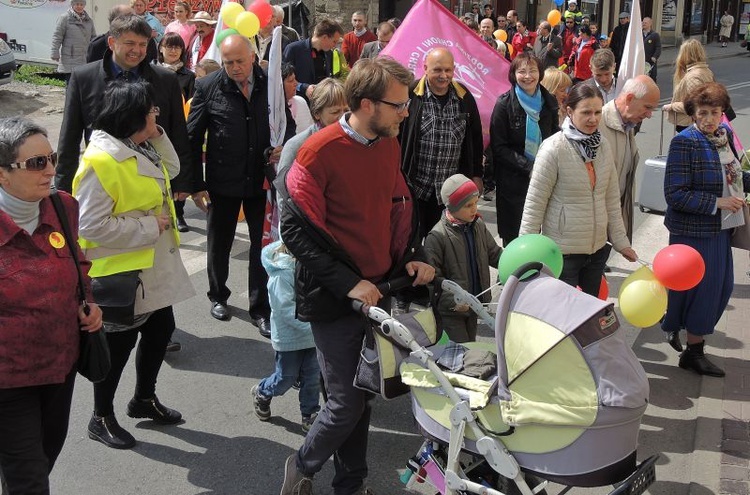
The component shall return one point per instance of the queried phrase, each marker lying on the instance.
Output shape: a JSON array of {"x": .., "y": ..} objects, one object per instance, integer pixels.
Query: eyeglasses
[
  {"x": 172, "y": 47},
  {"x": 155, "y": 110},
  {"x": 569, "y": 22},
  {"x": 400, "y": 107},
  {"x": 36, "y": 163}
]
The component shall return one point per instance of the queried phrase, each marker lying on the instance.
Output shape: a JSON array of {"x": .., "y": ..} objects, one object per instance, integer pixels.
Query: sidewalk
[
  {"x": 713, "y": 51},
  {"x": 699, "y": 425}
]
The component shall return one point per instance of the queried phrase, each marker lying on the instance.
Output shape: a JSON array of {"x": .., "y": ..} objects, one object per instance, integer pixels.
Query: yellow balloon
[
  {"x": 554, "y": 17},
  {"x": 229, "y": 13},
  {"x": 501, "y": 35},
  {"x": 248, "y": 24},
  {"x": 643, "y": 273},
  {"x": 643, "y": 302}
]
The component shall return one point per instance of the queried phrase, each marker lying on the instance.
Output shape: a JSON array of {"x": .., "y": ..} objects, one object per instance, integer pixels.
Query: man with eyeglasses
[
  {"x": 373, "y": 48},
  {"x": 441, "y": 136},
  {"x": 347, "y": 219},
  {"x": 547, "y": 46}
]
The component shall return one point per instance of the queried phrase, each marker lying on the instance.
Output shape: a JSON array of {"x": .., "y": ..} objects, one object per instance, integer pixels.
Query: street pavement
[{"x": 698, "y": 425}]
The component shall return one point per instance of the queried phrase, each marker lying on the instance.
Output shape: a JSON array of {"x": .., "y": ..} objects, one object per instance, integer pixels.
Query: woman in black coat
[
  {"x": 173, "y": 56},
  {"x": 513, "y": 146}
]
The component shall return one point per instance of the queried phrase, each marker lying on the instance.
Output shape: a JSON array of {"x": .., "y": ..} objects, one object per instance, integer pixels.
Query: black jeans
[
  {"x": 33, "y": 427},
  {"x": 222, "y": 224},
  {"x": 585, "y": 270},
  {"x": 341, "y": 429},
  {"x": 155, "y": 335}
]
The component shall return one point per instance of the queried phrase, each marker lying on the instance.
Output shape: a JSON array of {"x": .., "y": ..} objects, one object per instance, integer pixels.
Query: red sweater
[
  {"x": 352, "y": 45},
  {"x": 347, "y": 188}
]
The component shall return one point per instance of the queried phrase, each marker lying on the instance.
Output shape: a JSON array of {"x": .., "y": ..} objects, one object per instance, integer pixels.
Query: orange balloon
[
  {"x": 510, "y": 49},
  {"x": 554, "y": 17},
  {"x": 501, "y": 35}
]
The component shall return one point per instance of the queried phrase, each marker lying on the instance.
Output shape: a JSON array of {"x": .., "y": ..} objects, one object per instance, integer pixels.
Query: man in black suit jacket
[
  {"x": 313, "y": 58},
  {"x": 651, "y": 46},
  {"x": 125, "y": 59}
]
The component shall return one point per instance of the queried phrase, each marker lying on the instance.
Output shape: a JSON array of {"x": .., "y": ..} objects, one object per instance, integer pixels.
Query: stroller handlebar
[{"x": 389, "y": 287}]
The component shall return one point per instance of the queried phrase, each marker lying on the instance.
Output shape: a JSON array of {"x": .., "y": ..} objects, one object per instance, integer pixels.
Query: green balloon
[
  {"x": 526, "y": 249},
  {"x": 223, "y": 35}
]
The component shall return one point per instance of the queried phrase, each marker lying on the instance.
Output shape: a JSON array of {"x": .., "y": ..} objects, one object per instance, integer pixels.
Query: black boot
[
  {"x": 673, "y": 338},
  {"x": 694, "y": 359},
  {"x": 107, "y": 430}
]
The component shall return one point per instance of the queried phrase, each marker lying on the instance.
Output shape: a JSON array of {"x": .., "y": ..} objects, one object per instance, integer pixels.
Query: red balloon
[
  {"x": 603, "y": 289},
  {"x": 679, "y": 267},
  {"x": 263, "y": 10}
]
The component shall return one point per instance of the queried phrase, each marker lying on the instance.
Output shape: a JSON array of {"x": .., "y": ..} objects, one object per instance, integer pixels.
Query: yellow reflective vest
[{"x": 134, "y": 195}]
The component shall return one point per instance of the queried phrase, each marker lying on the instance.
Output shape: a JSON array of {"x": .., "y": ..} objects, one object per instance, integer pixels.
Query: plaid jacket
[{"x": 694, "y": 180}]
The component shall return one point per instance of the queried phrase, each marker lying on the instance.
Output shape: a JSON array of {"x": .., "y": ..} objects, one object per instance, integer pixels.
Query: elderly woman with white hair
[{"x": 73, "y": 33}]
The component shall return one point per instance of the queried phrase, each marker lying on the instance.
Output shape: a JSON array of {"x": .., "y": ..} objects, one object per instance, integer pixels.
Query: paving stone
[{"x": 734, "y": 487}]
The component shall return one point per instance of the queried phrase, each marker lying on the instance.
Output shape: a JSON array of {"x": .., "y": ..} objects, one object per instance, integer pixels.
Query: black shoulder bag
[{"x": 93, "y": 360}]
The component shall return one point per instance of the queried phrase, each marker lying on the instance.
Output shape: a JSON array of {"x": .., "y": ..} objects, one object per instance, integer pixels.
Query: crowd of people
[{"x": 375, "y": 177}]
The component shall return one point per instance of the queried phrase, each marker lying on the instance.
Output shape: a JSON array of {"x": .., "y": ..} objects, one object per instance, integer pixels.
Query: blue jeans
[{"x": 290, "y": 365}]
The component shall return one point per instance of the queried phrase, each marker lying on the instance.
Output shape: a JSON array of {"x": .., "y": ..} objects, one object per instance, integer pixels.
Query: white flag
[
  {"x": 276, "y": 98},
  {"x": 633, "y": 62}
]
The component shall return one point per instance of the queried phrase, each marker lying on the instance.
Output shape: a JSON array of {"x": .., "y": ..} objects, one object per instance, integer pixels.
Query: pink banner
[{"x": 480, "y": 68}]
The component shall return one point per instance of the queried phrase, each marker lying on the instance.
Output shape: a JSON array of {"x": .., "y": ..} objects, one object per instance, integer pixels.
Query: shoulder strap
[{"x": 69, "y": 240}]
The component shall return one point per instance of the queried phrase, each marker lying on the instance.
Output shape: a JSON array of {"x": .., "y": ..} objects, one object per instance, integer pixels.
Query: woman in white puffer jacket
[{"x": 574, "y": 194}]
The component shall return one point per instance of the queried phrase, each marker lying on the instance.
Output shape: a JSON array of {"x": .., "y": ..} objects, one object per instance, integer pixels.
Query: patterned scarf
[
  {"x": 532, "y": 105},
  {"x": 173, "y": 67},
  {"x": 145, "y": 149},
  {"x": 79, "y": 18},
  {"x": 587, "y": 144}
]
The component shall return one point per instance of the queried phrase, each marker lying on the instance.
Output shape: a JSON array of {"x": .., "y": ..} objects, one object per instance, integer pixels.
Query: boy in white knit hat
[{"x": 461, "y": 248}]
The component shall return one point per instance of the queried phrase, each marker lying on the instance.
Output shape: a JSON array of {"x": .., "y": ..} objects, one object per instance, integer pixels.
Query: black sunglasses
[{"x": 36, "y": 163}]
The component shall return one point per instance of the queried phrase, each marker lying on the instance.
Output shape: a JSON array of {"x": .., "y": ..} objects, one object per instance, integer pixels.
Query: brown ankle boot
[{"x": 694, "y": 359}]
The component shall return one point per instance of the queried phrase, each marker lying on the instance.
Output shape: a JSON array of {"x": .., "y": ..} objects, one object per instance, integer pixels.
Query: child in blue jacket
[{"x": 296, "y": 356}]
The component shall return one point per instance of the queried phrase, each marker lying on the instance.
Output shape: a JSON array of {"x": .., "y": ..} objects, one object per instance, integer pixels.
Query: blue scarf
[{"x": 532, "y": 105}]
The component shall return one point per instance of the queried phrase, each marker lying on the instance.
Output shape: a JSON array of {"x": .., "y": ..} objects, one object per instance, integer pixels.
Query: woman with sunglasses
[
  {"x": 127, "y": 224},
  {"x": 41, "y": 315}
]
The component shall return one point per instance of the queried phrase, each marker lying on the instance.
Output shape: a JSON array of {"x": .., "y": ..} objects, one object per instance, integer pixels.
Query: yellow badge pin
[{"x": 57, "y": 240}]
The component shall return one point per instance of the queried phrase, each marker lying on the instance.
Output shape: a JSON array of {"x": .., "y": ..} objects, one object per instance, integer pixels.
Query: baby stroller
[{"x": 564, "y": 405}]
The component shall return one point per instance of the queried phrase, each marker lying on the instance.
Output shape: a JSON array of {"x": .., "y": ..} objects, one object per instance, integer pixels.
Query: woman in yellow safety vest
[{"x": 127, "y": 227}]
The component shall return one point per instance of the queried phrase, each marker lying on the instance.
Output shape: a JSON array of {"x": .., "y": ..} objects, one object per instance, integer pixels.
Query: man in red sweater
[
  {"x": 355, "y": 40},
  {"x": 348, "y": 220}
]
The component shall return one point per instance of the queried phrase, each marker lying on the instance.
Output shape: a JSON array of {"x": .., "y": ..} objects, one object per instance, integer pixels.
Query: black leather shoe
[
  {"x": 182, "y": 225},
  {"x": 673, "y": 338},
  {"x": 264, "y": 326},
  {"x": 173, "y": 346},
  {"x": 106, "y": 430},
  {"x": 220, "y": 311},
  {"x": 153, "y": 409},
  {"x": 695, "y": 359}
]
